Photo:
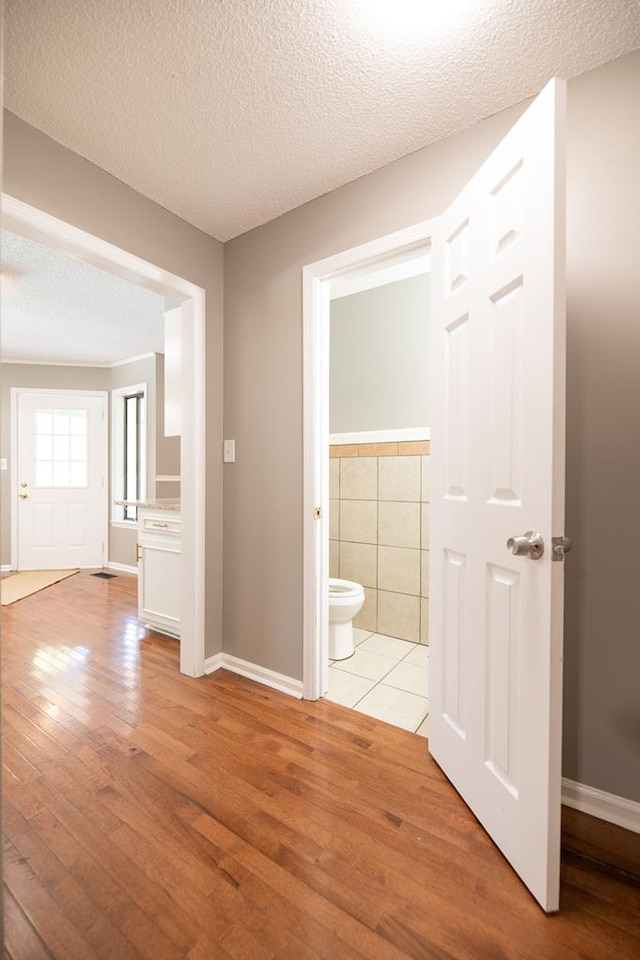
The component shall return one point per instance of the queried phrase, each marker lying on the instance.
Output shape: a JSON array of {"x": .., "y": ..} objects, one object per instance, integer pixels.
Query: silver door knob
[{"x": 529, "y": 545}]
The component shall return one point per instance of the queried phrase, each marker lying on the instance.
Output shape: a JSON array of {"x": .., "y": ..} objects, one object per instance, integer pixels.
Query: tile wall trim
[
  {"x": 381, "y": 436},
  {"x": 402, "y": 448}
]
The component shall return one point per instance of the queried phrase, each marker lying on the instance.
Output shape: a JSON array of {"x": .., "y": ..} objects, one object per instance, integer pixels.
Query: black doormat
[{"x": 104, "y": 576}]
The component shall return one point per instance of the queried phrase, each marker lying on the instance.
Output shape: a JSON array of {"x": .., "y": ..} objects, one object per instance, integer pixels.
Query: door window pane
[
  {"x": 78, "y": 448},
  {"x": 60, "y": 448},
  {"x": 43, "y": 474},
  {"x": 60, "y": 474},
  {"x": 44, "y": 422},
  {"x": 44, "y": 448},
  {"x": 61, "y": 422}
]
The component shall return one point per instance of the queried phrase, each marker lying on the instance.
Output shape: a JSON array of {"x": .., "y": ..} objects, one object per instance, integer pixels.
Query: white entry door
[
  {"x": 61, "y": 476},
  {"x": 498, "y": 473}
]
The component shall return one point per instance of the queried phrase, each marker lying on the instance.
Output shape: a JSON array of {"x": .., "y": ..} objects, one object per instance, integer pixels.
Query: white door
[
  {"x": 498, "y": 465},
  {"x": 61, "y": 473}
]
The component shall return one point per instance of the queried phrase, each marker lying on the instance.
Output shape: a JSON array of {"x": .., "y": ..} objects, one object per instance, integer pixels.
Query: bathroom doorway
[
  {"x": 402, "y": 256},
  {"x": 378, "y": 525}
]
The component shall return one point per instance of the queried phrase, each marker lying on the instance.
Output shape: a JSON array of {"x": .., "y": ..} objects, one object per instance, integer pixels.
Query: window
[
  {"x": 60, "y": 456},
  {"x": 132, "y": 453},
  {"x": 129, "y": 449}
]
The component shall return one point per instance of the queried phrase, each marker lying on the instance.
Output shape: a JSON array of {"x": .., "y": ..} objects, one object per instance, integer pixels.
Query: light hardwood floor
[{"x": 150, "y": 815}]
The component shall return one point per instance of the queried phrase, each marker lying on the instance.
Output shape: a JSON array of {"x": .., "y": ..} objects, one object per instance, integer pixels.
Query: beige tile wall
[{"x": 379, "y": 533}]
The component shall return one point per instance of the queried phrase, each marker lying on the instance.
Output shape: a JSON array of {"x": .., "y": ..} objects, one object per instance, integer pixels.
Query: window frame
[{"x": 126, "y": 516}]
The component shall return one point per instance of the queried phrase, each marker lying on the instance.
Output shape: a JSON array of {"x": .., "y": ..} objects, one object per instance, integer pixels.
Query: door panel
[
  {"x": 457, "y": 406},
  {"x": 454, "y": 641},
  {"x": 498, "y": 471}
]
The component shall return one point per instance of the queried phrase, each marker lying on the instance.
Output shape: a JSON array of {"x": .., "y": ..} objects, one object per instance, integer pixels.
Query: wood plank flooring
[{"x": 148, "y": 815}]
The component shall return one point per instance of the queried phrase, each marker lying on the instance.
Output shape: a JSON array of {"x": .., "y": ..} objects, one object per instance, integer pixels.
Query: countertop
[{"x": 166, "y": 504}]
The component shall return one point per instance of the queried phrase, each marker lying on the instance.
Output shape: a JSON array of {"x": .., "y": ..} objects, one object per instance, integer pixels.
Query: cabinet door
[{"x": 159, "y": 587}]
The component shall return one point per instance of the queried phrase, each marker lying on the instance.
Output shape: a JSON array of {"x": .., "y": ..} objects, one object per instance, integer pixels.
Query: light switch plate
[
  {"x": 229, "y": 455},
  {"x": 3, "y": 463}
]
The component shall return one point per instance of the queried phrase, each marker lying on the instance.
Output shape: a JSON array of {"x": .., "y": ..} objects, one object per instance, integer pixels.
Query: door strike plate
[
  {"x": 560, "y": 546},
  {"x": 317, "y": 513}
]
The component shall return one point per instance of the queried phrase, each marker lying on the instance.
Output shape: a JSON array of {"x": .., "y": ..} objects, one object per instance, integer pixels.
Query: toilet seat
[{"x": 344, "y": 588}]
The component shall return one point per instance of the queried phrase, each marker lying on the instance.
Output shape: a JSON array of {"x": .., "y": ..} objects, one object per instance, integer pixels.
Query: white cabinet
[{"x": 159, "y": 569}]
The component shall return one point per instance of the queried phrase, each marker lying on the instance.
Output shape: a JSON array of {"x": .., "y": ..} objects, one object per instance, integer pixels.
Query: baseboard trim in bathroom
[
  {"x": 606, "y": 806},
  {"x": 253, "y": 671}
]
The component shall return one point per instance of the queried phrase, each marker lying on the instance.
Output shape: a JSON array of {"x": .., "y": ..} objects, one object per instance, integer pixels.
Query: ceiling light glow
[{"x": 413, "y": 19}]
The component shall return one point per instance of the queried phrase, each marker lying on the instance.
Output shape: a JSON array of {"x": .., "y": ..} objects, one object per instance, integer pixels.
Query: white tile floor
[{"x": 386, "y": 679}]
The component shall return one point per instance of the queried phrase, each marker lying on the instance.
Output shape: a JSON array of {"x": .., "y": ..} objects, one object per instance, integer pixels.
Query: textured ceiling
[
  {"x": 231, "y": 112},
  {"x": 58, "y": 309}
]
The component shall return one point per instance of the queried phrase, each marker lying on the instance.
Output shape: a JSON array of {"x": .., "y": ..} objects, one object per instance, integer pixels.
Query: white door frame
[
  {"x": 316, "y": 279},
  {"x": 43, "y": 228},
  {"x": 14, "y": 403}
]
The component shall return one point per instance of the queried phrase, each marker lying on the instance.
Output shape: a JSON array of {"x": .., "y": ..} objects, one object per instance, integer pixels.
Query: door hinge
[
  {"x": 560, "y": 546},
  {"x": 317, "y": 513},
  {"x": 138, "y": 552}
]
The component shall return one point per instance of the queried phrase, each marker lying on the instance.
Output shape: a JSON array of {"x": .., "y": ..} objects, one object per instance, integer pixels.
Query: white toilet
[{"x": 345, "y": 602}]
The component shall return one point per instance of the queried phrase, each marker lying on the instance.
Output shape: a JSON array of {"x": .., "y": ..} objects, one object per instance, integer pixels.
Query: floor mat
[{"x": 23, "y": 584}]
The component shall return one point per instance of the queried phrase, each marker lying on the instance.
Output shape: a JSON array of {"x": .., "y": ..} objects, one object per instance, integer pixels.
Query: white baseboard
[
  {"x": 606, "y": 806},
  {"x": 211, "y": 664},
  {"x": 6, "y": 568},
  {"x": 269, "y": 678},
  {"x": 123, "y": 568}
]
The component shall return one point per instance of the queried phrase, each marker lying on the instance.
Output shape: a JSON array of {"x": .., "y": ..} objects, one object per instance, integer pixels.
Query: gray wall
[
  {"x": 167, "y": 448},
  {"x": 41, "y": 172},
  {"x": 263, "y": 406},
  {"x": 602, "y": 645},
  {"x": 379, "y": 358}
]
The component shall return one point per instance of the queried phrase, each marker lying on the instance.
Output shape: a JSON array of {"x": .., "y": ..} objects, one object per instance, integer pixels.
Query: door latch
[{"x": 560, "y": 546}]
